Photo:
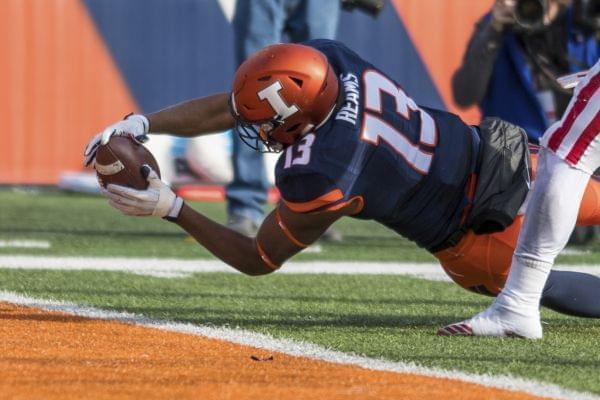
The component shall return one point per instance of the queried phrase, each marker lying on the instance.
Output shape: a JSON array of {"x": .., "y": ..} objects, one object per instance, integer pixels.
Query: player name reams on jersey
[{"x": 349, "y": 110}]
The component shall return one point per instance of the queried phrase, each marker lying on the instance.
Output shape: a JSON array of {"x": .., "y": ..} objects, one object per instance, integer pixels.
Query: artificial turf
[
  {"x": 389, "y": 317},
  {"x": 77, "y": 225},
  {"x": 380, "y": 316}
]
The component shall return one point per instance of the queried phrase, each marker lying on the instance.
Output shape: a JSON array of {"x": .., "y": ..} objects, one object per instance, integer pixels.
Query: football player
[
  {"x": 353, "y": 143},
  {"x": 570, "y": 155}
]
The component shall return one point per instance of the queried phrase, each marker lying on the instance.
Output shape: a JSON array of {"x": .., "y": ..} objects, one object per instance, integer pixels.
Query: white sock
[
  {"x": 523, "y": 290},
  {"x": 549, "y": 220}
]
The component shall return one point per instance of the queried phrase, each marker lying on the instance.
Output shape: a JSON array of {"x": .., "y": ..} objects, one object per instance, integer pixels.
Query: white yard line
[
  {"x": 176, "y": 268},
  {"x": 574, "y": 251},
  {"x": 170, "y": 267},
  {"x": 25, "y": 244},
  {"x": 302, "y": 349}
]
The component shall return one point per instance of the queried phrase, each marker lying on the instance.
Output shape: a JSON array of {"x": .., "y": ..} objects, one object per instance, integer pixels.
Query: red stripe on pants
[
  {"x": 580, "y": 103},
  {"x": 582, "y": 143}
]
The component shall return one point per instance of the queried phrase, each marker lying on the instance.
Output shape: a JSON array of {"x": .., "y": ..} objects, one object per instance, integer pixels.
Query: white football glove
[
  {"x": 134, "y": 125},
  {"x": 157, "y": 200}
]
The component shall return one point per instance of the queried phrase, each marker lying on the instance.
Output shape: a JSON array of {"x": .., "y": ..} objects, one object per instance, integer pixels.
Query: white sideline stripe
[
  {"x": 25, "y": 244},
  {"x": 170, "y": 267},
  {"x": 302, "y": 349},
  {"x": 176, "y": 268},
  {"x": 572, "y": 251}
]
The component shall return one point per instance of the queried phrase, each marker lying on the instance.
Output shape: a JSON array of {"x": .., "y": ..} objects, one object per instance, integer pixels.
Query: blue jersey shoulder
[
  {"x": 310, "y": 173},
  {"x": 408, "y": 164}
]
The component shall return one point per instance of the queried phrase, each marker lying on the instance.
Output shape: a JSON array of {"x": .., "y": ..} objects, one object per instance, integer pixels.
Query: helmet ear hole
[{"x": 297, "y": 81}]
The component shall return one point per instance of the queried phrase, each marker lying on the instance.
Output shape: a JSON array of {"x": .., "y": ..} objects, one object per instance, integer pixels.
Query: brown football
[{"x": 120, "y": 161}]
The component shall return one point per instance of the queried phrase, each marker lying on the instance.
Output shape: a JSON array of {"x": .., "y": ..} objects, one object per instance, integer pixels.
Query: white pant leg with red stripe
[
  {"x": 570, "y": 155},
  {"x": 575, "y": 138}
]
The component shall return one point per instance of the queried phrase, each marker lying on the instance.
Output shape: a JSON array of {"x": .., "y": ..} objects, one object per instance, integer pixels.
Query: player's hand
[
  {"x": 503, "y": 14},
  {"x": 134, "y": 125},
  {"x": 158, "y": 199}
]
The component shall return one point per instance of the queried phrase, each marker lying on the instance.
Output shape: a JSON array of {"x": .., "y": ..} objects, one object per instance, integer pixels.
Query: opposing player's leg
[
  {"x": 549, "y": 220},
  {"x": 567, "y": 292},
  {"x": 480, "y": 264},
  {"x": 572, "y": 154}
]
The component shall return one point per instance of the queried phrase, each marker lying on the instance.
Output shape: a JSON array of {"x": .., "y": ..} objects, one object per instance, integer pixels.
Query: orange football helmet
[{"x": 281, "y": 93}]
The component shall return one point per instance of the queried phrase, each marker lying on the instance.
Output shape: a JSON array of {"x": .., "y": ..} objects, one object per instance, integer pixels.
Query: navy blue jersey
[{"x": 408, "y": 164}]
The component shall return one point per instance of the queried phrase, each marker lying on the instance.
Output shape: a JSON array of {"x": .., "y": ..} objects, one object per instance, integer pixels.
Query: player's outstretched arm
[
  {"x": 190, "y": 118},
  {"x": 283, "y": 234},
  {"x": 231, "y": 247},
  {"x": 194, "y": 117}
]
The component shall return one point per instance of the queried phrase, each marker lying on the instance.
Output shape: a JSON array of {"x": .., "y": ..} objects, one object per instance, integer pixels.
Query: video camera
[
  {"x": 529, "y": 14},
  {"x": 586, "y": 14},
  {"x": 371, "y": 7}
]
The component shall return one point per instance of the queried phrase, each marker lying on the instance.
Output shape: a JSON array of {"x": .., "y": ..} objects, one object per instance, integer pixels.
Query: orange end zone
[{"x": 53, "y": 355}]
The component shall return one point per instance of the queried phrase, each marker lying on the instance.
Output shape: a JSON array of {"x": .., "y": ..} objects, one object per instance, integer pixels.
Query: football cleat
[{"x": 498, "y": 322}]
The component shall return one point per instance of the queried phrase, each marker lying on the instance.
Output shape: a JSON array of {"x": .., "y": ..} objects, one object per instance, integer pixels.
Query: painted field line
[
  {"x": 170, "y": 267},
  {"x": 174, "y": 268},
  {"x": 302, "y": 349},
  {"x": 25, "y": 244}
]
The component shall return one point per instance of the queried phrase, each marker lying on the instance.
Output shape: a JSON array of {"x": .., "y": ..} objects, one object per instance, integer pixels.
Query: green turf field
[
  {"x": 392, "y": 317},
  {"x": 86, "y": 225}
]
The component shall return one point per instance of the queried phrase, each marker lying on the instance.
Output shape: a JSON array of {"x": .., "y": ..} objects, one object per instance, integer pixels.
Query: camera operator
[{"x": 514, "y": 57}]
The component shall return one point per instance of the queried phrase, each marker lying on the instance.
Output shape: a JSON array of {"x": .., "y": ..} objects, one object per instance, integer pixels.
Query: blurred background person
[
  {"x": 256, "y": 24},
  {"x": 516, "y": 53}
]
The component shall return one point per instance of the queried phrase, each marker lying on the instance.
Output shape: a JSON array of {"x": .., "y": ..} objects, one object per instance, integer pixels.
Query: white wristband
[{"x": 175, "y": 210}]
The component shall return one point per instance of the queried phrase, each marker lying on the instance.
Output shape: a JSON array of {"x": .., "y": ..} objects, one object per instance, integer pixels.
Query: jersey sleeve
[
  {"x": 308, "y": 191},
  {"x": 311, "y": 176}
]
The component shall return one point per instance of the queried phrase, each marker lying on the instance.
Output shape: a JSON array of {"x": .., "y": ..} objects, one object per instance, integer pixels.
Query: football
[{"x": 120, "y": 161}]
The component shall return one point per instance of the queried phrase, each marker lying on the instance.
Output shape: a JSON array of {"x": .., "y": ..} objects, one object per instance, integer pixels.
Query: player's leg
[
  {"x": 549, "y": 220},
  {"x": 574, "y": 153},
  {"x": 314, "y": 19},
  {"x": 255, "y": 25},
  {"x": 589, "y": 210},
  {"x": 480, "y": 264},
  {"x": 572, "y": 293}
]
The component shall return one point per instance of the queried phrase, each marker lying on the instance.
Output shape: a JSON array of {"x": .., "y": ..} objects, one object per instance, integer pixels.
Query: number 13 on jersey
[{"x": 375, "y": 129}]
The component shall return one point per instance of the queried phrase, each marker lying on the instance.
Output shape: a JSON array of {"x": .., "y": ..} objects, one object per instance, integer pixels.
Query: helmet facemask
[{"x": 257, "y": 135}]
